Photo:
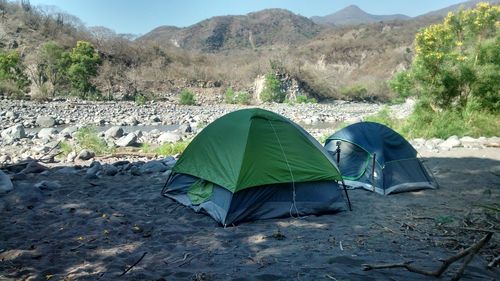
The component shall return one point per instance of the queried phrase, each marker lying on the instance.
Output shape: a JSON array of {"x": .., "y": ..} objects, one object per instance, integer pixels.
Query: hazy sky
[{"x": 141, "y": 16}]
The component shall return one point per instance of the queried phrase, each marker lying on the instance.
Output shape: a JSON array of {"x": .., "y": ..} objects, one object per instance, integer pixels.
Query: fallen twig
[
  {"x": 82, "y": 244},
  {"x": 124, "y": 154},
  {"x": 494, "y": 262},
  {"x": 471, "y": 251},
  {"x": 130, "y": 267}
]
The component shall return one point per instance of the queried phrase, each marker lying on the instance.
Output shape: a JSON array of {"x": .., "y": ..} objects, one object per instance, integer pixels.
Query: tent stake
[
  {"x": 373, "y": 171},
  {"x": 346, "y": 195}
]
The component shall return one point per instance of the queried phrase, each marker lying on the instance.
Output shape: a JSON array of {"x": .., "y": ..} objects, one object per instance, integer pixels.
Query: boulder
[
  {"x": 48, "y": 185},
  {"x": 127, "y": 140},
  {"x": 14, "y": 133},
  {"x": 169, "y": 137},
  {"x": 109, "y": 170},
  {"x": 114, "y": 132},
  {"x": 450, "y": 143},
  {"x": 5, "y": 183},
  {"x": 47, "y": 133},
  {"x": 153, "y": 167},
  {"x": 45, "y": 121},
  {"x": 86, "y": 154}
]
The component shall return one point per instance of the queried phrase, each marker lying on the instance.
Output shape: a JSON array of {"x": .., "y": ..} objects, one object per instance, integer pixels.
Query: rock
[
  {"x": 47, "y": 133},
  {"x": 14, "y": 133},
  {"x": 185, "y": 128},
  {"x": 5, "y": 183},
  {"x": 450, "y": 143},
  {"x": 469, "y": 142},
  {"x": 153, "y": 167},
  {"x": 169, "y": 137},
  {"x": 127, "y": 140},
  {"x": 71, "y": 156},
  {"x": 4, "y": 158},
  {"x": 135, "y": 171},
  {"x": 48, "y": 185},
  {"x": 45, "y": 121},
  {"x": 34, "y": 167},
  {"x": 169, "y": 161},
  {"x": 109, "y": 170},
  {"x": 86, "y": 154},
  {"x": 91, "y": 172},
  {"x": 114, "y": 132}
]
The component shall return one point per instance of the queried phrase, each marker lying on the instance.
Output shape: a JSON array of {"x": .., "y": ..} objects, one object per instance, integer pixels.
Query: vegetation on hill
[{"x": 455, "y": 76}]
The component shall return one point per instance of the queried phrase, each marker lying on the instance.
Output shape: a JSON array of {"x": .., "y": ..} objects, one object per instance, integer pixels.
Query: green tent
[{"x": 253, "y": 164}]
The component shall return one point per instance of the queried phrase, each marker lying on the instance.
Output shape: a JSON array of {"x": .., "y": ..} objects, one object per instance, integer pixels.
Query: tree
[
  {"x": 272, "y": 89},
  {"x": 84, "y": 64},
  {"x": 456, "y": 62},
  {"x": 13, "y": 81}
]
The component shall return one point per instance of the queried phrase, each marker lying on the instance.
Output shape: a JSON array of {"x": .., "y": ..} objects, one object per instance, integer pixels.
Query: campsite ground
[{"x": 74, "y": 228}]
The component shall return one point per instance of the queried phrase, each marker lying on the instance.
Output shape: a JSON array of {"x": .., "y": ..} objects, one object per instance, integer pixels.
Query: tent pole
[
  {"x": 346, "y": 195},
  {"x": 373, "y": 171},
  {"x": 338, "y": 153}
]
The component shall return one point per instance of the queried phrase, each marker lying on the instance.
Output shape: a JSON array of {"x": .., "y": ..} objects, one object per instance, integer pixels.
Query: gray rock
[
  {"x": 109, "y": 170},
  {"x": 469, "y": 142},
  {"x": 450, "y": 143},
  {"x": 48, "y": 185},
  {"x": 47, "y": 133},
  {"x": 45, "y": 121},
  {"x": 4, "y": 158},
  {"x": 127, "y": 140},
  {"x": 67, "y": 171},
  {"x": 69, "y": 131},
  {"x": 114, "y": 132},
  {"x": 169, "y": 137},
  {"x": 5, "y": 183},
  {"x": 135, "y": 171},
  {"x": 71, "y": 156},
  {"x": 185, "y": 128},
  {"x": 91, "y": 172},
  {"x": 153, "y": 167},
  {"x": 14, "y": 133},
  {"x": 86, "y": 154},
  {"x": 34, "y": 167}
]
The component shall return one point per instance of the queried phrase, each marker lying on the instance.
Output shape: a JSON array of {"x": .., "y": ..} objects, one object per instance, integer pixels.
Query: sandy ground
[{"x": 97, "y": 229}]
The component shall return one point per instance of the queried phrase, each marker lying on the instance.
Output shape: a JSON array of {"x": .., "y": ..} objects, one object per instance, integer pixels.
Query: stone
[
  {"x": 114, "y": 132},
  {"x": 109, "y": 170},
  {"x": 153, "y": 167},
  {"x": 128, "y": 140},
  {"x": 5, "y": 183},
  {"x": 450, "y": 143},
  {"x": 92, "y": 171},
  {"x": 45, "y": 121},
  {"x": 47, "y": 133},
  {"x": 135, "y": 171},
  {"x": 86, "y": 154},
  {"x": 169, "y": 137},
  {"x": 48, "y": 185},
  {"x": 14, "y": 133},
  {"x": 71, "y": 156},
  {"x": 34, "y": 167}
]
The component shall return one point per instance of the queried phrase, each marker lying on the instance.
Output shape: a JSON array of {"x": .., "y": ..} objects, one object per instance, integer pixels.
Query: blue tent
[{"x": 375, "y": 157}]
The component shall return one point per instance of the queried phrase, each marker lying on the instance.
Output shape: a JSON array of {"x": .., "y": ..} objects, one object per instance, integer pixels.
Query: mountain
[
  {"x": 351, "y": 15},
  {"x": 263, "y": 28},
  {"x": 453, "y": 8}
]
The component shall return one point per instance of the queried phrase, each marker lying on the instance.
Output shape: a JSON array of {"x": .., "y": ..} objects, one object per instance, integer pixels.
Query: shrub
[
  {"x": 140, "y": 99},
  {"x": 229, "y": 96},
  {"x": 87, "y": 138},
  {"x": 187, "y": 98},
  {"x": 242, "y": 98},
  {"x": 355, "y": 93},
  {"x": 304, "y": 99},
  {"x": 166, "y": 149},
  {"x": 272, "y": 89}
]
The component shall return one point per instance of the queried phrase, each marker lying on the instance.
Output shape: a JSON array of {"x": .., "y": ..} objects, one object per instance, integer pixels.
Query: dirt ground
[{"x": 120, "y": 228}]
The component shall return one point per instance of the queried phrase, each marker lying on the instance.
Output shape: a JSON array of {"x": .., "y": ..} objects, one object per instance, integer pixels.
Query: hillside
[
  {"x": 254, "y": 30},
  {"x": 352, "y": 15}
]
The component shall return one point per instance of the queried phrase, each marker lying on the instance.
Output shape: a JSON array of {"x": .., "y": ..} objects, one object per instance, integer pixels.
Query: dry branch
[
  {"x": 470, "y": 252},
  {"x": 130, "y": 267}
]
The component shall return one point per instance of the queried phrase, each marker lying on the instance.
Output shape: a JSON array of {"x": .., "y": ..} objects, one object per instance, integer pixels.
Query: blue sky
[{"x": 141, "y": 16}]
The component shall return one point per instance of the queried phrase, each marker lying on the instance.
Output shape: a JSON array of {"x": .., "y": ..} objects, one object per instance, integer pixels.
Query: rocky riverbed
[{"x": 31, "y": 130}]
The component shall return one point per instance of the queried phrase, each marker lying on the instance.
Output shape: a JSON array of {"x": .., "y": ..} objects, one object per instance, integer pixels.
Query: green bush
[
  {"x": 354, "y": 93},
  {"x": 272, "y": 89},
  {"x": 166, "y": 149},
  {"x": 87, "y": 138},
  {"x": 187, "y": 98},
  {"x": 242, "y": 98},
  {"x": 304, "y": 99},
  {"x": 140, "y": 99},
  {"x": 229, "y": 96}
]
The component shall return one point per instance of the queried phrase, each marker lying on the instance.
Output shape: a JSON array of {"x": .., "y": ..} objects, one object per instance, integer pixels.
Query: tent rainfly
[
  {"x": 375, "y": 157},
  {"x": 255, "y": 164}
]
